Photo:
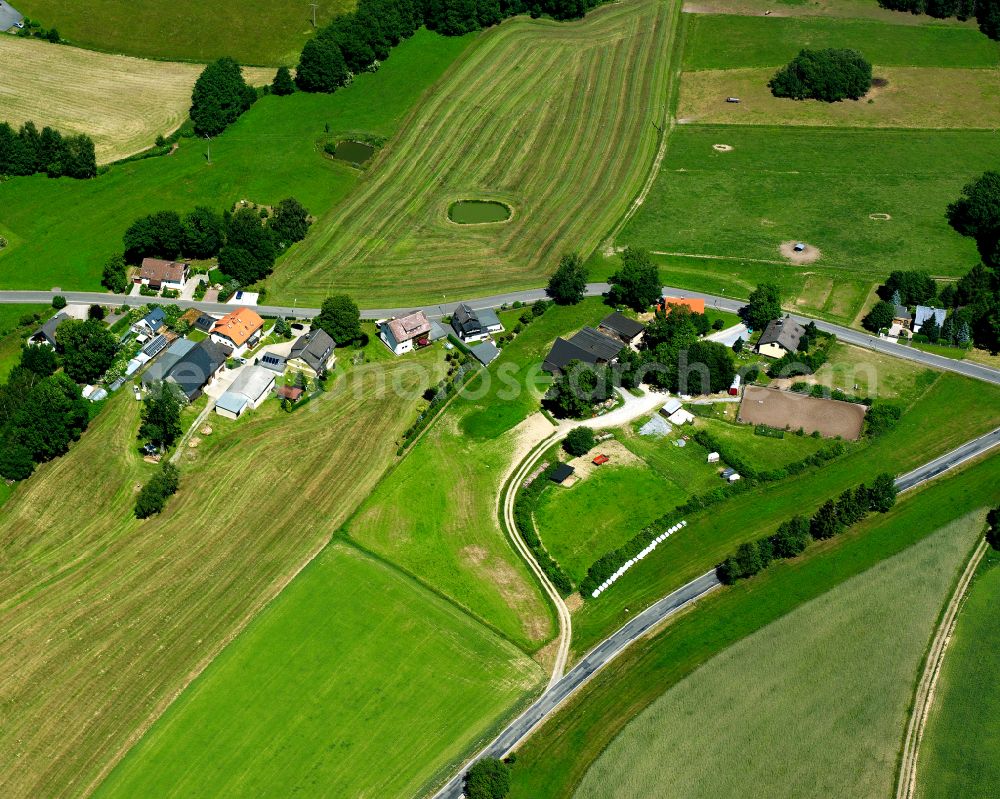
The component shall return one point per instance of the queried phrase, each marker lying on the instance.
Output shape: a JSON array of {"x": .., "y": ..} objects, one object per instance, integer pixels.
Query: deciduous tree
[
  {"x": 569, "y": 282},
  {"x": 637, "y": 284},
  {"x": 87, "y": 349},
  {"x": 340, "y": 318}
]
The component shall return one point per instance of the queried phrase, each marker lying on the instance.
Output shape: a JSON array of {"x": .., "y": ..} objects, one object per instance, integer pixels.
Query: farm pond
[
  {"x": 477, "y": 212},
  {"x": 354, "y": 152}
]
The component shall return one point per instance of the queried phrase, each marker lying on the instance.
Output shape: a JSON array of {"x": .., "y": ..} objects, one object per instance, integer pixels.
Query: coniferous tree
[{"x": 282, "y": 84}]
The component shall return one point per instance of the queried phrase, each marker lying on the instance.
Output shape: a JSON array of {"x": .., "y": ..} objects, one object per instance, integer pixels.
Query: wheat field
[{"x": 122, "y": 103}]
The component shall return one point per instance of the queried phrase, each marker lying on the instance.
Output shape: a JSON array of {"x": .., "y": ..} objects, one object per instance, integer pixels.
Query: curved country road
[
  {"x": 856, "y": 337},
  {"x": 561, "y": 690}
]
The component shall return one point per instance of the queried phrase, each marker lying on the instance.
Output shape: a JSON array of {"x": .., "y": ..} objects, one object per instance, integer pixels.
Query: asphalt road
[
  {"x": 604, "y": 652},
  {"x": 846, "y": 334},
  {"x": 598, "y": 657}
]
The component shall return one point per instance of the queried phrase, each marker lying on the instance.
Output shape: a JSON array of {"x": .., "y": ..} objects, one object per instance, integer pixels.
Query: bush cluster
[
  {"x": 488, "y": 778},
  {"x": 245, "y": 243},
  {"x": 161, "y": 486},
  {"x": 881, "y": 417},
  {"x": 358, "y": 40},
  {"x": 804, "y": 363},
  {"x": 530, "y": 314},
  {"x": 579, "y": 441},
  {"x": 830, "y": 75},
  {"x": 767, "y": 431},
  {"x": 35, "y": 30},
  {"x": 732, "y": 457},
  {"x": 794, "y": 535},
  {"x": 219, "y": 96},
  {"x": 525, "y": 503},
  {"x": 28, "y": 152}
]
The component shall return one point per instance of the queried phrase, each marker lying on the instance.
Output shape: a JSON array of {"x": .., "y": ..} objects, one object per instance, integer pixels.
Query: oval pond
[{"x": 476, "y": 212}]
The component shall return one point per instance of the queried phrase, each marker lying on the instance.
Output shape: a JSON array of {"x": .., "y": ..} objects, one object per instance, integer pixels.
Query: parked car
[{"x": 732, "y": 99}]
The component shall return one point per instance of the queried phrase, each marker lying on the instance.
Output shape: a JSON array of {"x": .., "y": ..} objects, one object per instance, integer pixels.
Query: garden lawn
[
  {"x": 105, "y": 619},
  {"x": 251, "y": 31},
  {"x": 551, "y": 764},
  {"x": 720, "y": 41},
  {"x": 814, "y": 185},
  {"x": 873, "y": 374},
  {"x": 951, "y": 411},
  {"x": 685, "y": 467},
  {"x": 63, "y": 230},
  {"x": 960, "y": 752},
  {"x": 811, "y": 705},
  {"x": 601, "y": 512},
  {"x": 497, "y": 401},
  {"x": 356, "y": 681},
  {"x": 764, "y": 452}
]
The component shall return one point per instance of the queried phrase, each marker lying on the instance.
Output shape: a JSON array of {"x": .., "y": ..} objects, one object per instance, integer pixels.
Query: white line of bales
[{"x": 632, "y": 561}]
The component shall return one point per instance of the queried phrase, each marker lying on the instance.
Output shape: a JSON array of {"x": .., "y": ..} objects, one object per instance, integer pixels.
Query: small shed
[
  {"x": 734, "y": 389},
  {"x": 561, "y": 473},
  {"x": 713, "y": 457},
  {"x": 290, "y": 393},
  {"x": 600, "y": 460}
]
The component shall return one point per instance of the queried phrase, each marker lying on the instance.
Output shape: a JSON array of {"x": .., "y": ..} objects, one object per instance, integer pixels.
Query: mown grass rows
[
  {"x": 104, "y": 618},
  {"x": 552, "y": 118}
]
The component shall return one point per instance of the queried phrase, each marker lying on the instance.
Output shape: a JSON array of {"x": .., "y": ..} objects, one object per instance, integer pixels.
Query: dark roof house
[
  {"x": 46, "y": 334},
  {"x": 619, "y": 325},
  {"x": 468, "y": 322},
  {"x": 197, "y": 367},
  {"x": 157, "y": 272},
  {"x": 780, "y": 334},
  {"x": 272, "y": 361},
  {"x": 161, "y": 367},
  {"x": 924, "y": 313},
  {"x": 588, "y": 346},
  {"x": 313, "y": 350}
]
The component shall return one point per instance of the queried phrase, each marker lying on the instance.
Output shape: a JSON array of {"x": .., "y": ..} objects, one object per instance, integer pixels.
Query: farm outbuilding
[{"x": 561, "y": 473}]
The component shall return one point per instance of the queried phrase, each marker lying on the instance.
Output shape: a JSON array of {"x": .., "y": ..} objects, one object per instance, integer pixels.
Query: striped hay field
[
  {"x": 122, "y": 103},
  {"x": 554, "y": 119},
  {"x": 103, "y": 619}
]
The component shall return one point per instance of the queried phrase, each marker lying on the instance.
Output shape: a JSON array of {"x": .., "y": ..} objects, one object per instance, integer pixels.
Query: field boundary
[{"x": 906, "y": 781}]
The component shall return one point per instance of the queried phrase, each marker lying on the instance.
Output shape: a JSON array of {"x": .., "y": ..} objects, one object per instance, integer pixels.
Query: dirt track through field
[
  {"x": 786, "y": 410},
  {"x": 554, "y": 119}
]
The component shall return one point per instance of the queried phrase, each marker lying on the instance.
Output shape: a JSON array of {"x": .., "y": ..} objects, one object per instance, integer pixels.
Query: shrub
[
  {"x": 488, "y": 778},
  {"x": 153, "y": 496},
  {"x": 830, "y": 75},
  {"x": 579, "y": 441},
  {"x": 59, "y": 302}
]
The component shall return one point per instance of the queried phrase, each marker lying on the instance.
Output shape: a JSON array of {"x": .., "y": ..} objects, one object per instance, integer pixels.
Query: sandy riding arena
[
  {"x": 787, "y": 411},
  {"x": 807, "y": 256}
]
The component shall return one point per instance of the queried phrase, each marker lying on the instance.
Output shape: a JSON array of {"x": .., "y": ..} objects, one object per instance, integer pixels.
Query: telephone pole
[{"x": 314, "y": 6}]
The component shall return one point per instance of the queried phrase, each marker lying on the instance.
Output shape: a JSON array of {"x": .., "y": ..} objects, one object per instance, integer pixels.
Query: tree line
[
  {"x": 794, "y": 535},
  {"x": 358, "y": 40},
  {"x": 219, "y": 97},
  {"x": 28, "y": 151},
  {"x": 245, "y": 240},
  {"x": 986, "y": 12}
]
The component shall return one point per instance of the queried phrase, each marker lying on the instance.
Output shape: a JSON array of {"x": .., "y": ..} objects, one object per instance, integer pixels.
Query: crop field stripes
[{"x": 553, "y": 119}]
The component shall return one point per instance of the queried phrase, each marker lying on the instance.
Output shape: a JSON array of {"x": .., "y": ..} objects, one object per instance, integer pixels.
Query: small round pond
[
  {"x": 478, "y": 212},
  {"x": 354, "y": 152}
]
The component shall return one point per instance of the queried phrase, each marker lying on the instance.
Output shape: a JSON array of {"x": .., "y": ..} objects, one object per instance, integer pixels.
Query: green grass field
[
  {"x": 554, "y": 119},
  {"x": 952, "y": 410},
  {"x": 251, "y": 31},
  {"x": 719, "y": 41},
  {"x": 356, "y": 681},
  {"x": 435, "y": 514},
  {"x": 850, "y": 9},
  {"x": 63, "y": 230},
  {"x": 815, "y": 185},
  {"x": 601, "y": 512},
  {"x": 959, "y": 752},
  {"x": 105, "y": 618},
  {"x": 823, "y": 671},
  {"x": 763, "y": 452},
  {"x": 915, "y": 97},
  {"x": 551, "y": 764}
]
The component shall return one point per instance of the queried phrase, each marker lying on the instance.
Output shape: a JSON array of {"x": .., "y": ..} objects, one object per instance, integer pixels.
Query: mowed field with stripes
[{"x": 558, "y": 120}]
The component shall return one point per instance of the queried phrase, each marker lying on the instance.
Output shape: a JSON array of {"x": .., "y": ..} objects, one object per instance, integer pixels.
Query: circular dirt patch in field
[
  {"x": 722, "y": 148},
  {"x": 880, "y": 217},
  {"x": 805, "y": 256}
]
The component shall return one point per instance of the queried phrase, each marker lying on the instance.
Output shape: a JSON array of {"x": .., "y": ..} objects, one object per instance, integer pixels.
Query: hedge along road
[
  {"x": 845, "y": 334},
  {"x": 559, "y": 691}
]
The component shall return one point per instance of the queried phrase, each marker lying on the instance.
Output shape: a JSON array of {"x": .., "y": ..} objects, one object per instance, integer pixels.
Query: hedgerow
[{"x": 525, "y": 503}]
